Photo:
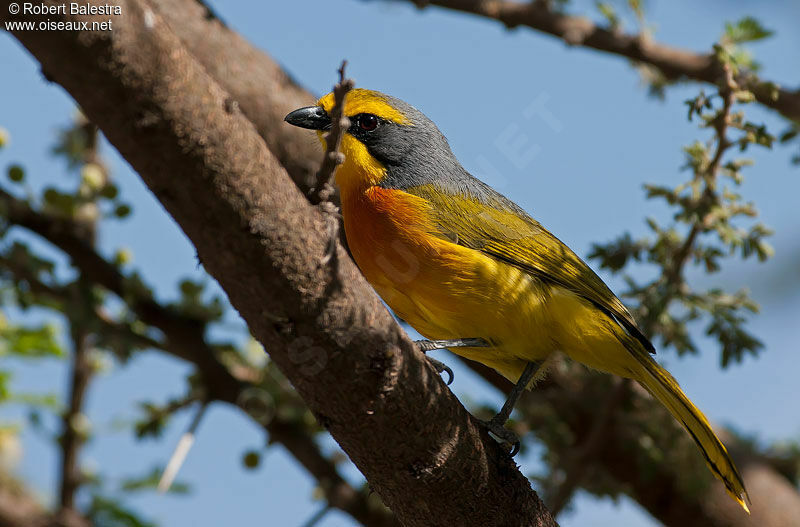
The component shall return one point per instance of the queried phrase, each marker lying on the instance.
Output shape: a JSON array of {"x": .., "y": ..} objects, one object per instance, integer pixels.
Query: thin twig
[
  {"x": 323, "y": 188},
  {"x": 80, "y": 310},
  {"x": 674, "y": 273},
  {"x": 73, "y": 437},
  {"x": 726, "y": 91},
  {"x": 314, "y": 520}
]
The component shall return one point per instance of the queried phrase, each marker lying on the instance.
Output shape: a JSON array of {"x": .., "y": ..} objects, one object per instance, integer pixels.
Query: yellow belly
[{"x": 447, "y": 291}]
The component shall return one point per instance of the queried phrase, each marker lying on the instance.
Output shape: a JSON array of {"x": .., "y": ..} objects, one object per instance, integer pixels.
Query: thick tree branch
[
  {"x": 674, "y": 63},
  {"x": 225, "y": 386},
  {"x": 261, "y": 239},
  {"x": 255, "y": 83}
]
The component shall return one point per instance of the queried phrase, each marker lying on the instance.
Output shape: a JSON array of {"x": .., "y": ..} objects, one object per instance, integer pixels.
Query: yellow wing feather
[{"x": 497, "y": 227}]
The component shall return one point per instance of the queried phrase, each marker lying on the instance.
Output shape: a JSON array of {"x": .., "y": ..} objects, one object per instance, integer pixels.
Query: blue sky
[{"x": 578, "y": 168}]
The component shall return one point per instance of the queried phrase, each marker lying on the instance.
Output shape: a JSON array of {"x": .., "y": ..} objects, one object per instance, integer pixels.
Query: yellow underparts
[{"x": 447, "y": 291}]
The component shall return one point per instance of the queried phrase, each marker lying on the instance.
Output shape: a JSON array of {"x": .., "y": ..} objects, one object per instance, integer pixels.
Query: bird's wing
[{"x": 492, "y": 224}]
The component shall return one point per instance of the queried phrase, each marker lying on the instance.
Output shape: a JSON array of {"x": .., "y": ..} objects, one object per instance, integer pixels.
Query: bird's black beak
[{"x": 311, "y": 117}]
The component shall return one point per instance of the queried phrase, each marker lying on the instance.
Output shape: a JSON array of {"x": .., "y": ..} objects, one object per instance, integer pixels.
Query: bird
[{"x": 471, "y": 271}]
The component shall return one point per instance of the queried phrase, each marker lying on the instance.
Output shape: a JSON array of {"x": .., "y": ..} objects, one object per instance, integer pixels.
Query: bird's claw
[
  {"x": 440, "y": 367},
  {"x": 506, "y": 436}
]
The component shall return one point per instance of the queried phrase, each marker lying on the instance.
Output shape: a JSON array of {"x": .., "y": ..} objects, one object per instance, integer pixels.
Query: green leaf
[
  {"x": 674, "y": 332},
  {"x": 637, "y": 8},
  {"x": 29, "y": 341},
  {"x": 733, "y": 338},
  {"x": 608, "y": 12},
  {"x": 109, "y": 191},
  {"x": 123, "y": 256},
  {"x": 109, "y": 512},
  {"x": 5, "y": 381},
  {"x": 789, "y": 134},
  {"x": 62, "y": 202},
  {"x": 47, "y": 401},
  {"x": 72, "y": 143},
  {"x": 617, "y": 254},
  {"x": 747, "y": 29},
  {"x": 697, "y": 105},
  {"x": 152, "y": 425}
]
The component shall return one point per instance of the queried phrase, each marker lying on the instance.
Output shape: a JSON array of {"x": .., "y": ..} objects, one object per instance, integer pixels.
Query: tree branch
[
  {"x": 73, "y": 437},
  {"x": 226, "y": 386},
  {"x": 580, "y": 461},
  {"x": 254, "y": 82},
  {"x": 262, "y": 240},
  {"x": 647, "y": 455},
  {"x": 673, "y": 62}
]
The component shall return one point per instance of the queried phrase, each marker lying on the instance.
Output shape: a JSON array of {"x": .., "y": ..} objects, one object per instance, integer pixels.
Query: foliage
[
  {"x": 710, "y": 222},
  {"x": 108, "y": 512}
]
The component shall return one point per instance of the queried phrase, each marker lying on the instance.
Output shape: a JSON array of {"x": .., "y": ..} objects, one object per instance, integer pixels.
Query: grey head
[{"x": 415, "y": 153}]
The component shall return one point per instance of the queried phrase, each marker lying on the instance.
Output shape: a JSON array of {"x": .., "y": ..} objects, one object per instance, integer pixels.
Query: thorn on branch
[{"x": 323, "y": 189}]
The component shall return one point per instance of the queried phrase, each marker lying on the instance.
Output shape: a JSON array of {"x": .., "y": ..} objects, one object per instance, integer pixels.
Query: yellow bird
[{"x": 469, "y": 269}]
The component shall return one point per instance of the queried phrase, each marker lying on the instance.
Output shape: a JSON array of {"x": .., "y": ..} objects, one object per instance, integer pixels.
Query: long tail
[{"x": 665, "y": 388}]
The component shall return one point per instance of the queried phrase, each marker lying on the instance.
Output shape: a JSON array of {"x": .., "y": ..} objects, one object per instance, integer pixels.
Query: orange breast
[
  {"x": 387, "y": 231},
  {"x": 389, "y": 235}
]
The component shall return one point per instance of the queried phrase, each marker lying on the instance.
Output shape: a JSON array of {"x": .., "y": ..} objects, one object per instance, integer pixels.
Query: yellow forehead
[{"x": 360, "y": 100}]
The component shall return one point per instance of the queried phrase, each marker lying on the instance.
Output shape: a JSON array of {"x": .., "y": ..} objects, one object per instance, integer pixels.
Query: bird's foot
[
  {"x": 440, "y": 368},
  {"x": 430, "y": 345},
  {"x": 508, "y": 438},
  {"x": 438, "y": 365}
]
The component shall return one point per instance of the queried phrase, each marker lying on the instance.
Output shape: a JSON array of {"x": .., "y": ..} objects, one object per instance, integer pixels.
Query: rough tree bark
[
  {"x": 183, "y": 339},
  {"x": 260, "y": 238}
]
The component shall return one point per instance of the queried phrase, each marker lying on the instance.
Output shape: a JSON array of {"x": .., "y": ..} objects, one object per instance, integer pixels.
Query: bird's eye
[{"x": 367, "y": 122}]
